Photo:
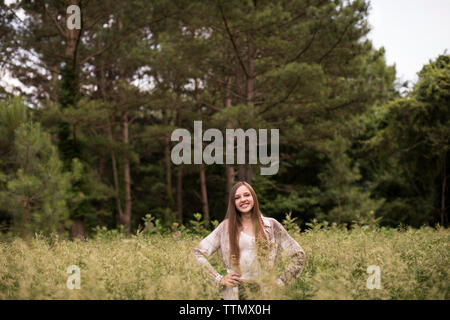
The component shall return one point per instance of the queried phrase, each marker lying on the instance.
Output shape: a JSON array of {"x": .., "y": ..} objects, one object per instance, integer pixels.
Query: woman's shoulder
[
  {"x": 273, "y": 223},
  {"x": 222, "y": 225},
  {"x": 269, "y": 221}
]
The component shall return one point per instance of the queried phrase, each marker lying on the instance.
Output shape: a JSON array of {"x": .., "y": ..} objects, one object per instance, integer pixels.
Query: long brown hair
[{"x": 235, "y": 224}]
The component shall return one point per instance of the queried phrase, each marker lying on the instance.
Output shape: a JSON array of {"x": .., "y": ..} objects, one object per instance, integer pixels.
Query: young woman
[{"x": 249, "y": 244}]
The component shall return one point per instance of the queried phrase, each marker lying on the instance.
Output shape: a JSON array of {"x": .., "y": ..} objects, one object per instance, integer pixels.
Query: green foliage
[
  {"x": 105, "y": 234},
  {"x": 289, "y": 224},
  {"x": 302, "y": 201},
  {"x": 13, "y": 112},
  {"x": 36, "y": 194},
  {"x": 350, "y": 203},
  {"x": 315, "y": 225},
  {"x": 372, "y": 221},
  {"x": 85, "y": 190},
  {"x": 152, "y": 225},
  {"x": 198, "y": 225},
  {"x": 412, "y": 149}
]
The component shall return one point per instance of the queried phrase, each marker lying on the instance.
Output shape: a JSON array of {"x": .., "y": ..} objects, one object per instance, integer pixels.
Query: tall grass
[{"x": 414, "y": 264}]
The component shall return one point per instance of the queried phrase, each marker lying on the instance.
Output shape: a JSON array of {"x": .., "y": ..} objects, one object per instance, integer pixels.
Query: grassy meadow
[{"x": 414, "y": 264}]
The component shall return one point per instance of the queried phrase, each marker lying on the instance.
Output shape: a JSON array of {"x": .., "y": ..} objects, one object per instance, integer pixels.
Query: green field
[{"x": 414, "y": 264}]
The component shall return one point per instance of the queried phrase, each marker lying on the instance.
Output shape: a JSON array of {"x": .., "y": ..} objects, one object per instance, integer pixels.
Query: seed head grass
[{"x": 413, "y": 264}]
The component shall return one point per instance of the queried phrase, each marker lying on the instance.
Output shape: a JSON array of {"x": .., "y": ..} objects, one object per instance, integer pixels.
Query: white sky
[{"x": 411, "y": 31}]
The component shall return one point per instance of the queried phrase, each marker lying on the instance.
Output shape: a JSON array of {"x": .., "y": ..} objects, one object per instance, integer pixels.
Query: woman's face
[{"x": 243, "y": 199}]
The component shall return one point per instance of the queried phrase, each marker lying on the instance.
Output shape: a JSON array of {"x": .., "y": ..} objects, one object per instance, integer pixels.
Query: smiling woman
[{"x": 250, "y": 246}]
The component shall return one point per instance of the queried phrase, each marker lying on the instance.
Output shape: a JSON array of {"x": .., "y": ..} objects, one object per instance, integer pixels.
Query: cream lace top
[{"x": 248, "y": 261}]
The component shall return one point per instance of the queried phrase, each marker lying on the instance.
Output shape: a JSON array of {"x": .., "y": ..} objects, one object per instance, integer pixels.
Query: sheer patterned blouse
[
  {"x": 250, "y": 268},
  {"x": 279, "y": 238}
]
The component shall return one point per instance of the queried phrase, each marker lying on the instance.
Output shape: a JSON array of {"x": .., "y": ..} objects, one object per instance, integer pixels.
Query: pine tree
[
  {"x": 350, "y": 203},
  {"x": 36, "y": 193}
]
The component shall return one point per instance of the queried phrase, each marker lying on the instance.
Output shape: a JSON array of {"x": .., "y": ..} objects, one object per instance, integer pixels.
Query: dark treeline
[{"x": 86, "y": 140}]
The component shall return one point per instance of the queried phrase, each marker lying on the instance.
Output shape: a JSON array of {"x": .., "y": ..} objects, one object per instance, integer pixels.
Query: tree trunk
[
  {"x": 126, "y": 217},
  {"x": 250, "y": 97},
  {"x": 179, "y": 180},
  {"x": 77, "y": 231},
  {"x": 229, "y": 174},
  {"x": 54, "y": 84},
  {"x": 239, "y": 72},
  {"x": 229, "y": 169},
  {"x": 339, "y": 211},
  {"x": 167, "y": 161},
  {"x": 101, "y": 174},
  {"x": 26, "y": 205},
  {"x": 119, "y": 212},
  {"x": 241, "y": 92},
  {"x": 444, "y": 189},
  {"x": 204, "y": 193},
  {"x": 180, "y": 193},
  {"x": 242, "y": 172},
  {"x": 71, "y": 38}
]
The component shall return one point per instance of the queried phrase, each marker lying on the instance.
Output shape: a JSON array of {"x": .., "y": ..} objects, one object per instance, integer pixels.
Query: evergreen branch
[
  {"x": 336, "y": 43},
  {"x": 120, "y": 39},
  {"x": 233, "y": 41},
  {"x": 58, "y": 26},
  {"x": 305, "y": 49}
]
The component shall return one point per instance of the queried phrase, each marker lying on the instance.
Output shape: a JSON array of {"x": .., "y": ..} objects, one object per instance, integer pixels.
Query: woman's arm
[
  {"x": 295, "y": 253},
  {"x": 207, "y": 247}
]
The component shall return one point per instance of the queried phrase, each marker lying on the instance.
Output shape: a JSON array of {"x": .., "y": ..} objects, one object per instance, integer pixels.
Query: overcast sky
[{"x": 411, "y": 31}]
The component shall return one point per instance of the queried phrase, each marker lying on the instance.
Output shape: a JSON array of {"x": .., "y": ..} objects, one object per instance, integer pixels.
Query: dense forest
[{"x": 85, "y": 137}]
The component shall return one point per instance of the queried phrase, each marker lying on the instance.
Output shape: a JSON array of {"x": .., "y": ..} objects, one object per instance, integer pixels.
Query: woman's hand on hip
[{"x": 230, "y": 280}]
